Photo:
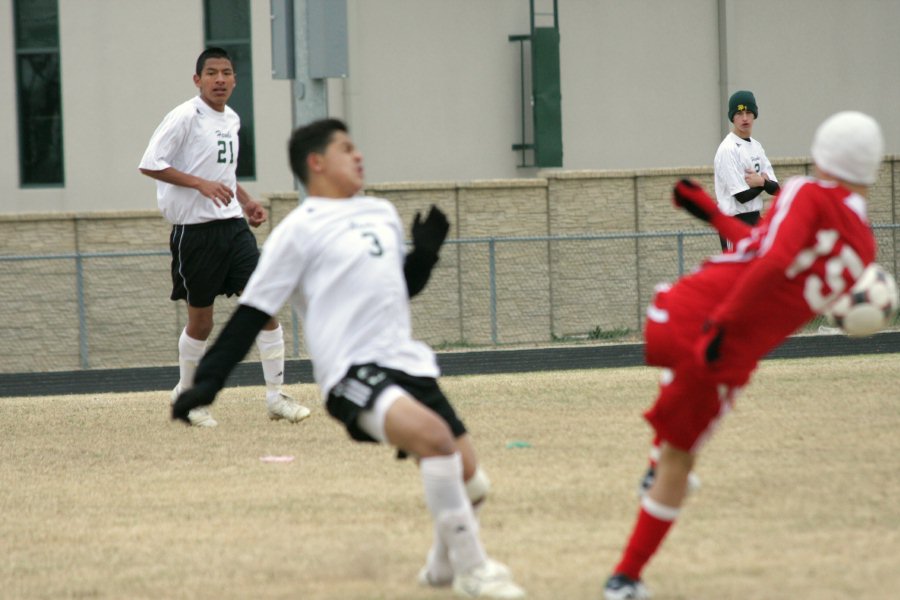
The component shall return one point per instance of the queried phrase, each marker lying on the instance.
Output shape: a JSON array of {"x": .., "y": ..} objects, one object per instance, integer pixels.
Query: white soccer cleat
[
  {"x": 432, "y": 576},
  {"x": 437, "y": 571},
  {"x": 199, "y": 417},
  {"x": 490, "y": 580},
  {"x": 285, "y": 407}
]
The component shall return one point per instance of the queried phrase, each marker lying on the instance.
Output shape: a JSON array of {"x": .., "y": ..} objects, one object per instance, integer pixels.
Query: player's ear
[
  {"x": 196, "y": 80},
  {"x": 314, "y": 162}
]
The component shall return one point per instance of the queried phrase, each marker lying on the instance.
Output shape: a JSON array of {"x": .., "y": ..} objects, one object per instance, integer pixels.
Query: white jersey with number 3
[
  {"x": 195, "y": 139},
  {"x": 340, "y": 263},
  {"x": 734, "y": 158}
]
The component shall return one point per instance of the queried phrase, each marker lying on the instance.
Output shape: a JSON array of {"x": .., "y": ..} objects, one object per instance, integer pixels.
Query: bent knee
[
  {"x": 437, "y": 439},
  {"x": 199, "y": 331},
  {"x": 418, "y": 430},
  {"x": 432, "y": 438}
]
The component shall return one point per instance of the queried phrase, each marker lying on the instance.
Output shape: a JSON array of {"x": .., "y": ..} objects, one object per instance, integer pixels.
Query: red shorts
[
  {"x": 692, "y": 398},
  {"x": 688, "y": 408}
]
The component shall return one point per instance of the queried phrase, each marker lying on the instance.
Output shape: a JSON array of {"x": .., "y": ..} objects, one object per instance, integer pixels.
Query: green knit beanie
[{"x": 742, "y": 100}]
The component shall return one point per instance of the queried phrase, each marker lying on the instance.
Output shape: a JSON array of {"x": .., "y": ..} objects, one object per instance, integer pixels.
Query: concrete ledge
[{"x": 405, "y": 186}]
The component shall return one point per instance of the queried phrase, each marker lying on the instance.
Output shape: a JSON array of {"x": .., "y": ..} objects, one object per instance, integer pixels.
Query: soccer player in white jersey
[
  {"x": 742, "y": 169},
  {"x": 340, "y": 259},
  {"x": 192, "y": 155}
]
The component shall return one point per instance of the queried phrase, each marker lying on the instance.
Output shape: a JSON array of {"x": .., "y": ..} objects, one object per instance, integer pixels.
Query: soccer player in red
[{"x": 709, "y": 330}]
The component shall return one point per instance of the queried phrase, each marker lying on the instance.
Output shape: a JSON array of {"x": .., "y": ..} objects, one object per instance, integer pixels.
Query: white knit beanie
[{"x": 849, "y": 145}]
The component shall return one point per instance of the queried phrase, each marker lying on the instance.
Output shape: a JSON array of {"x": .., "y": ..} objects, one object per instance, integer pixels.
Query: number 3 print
[{"x": 375, "y": 249}]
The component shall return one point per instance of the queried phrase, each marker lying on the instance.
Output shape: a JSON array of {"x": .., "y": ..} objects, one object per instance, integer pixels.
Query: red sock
[{"x": 653, "y": 523}]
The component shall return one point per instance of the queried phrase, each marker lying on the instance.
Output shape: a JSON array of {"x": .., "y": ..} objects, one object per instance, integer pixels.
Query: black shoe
[{"x": 623, "y": 587}]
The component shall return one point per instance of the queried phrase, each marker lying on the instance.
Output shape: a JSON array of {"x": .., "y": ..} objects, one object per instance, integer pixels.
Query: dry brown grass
[{"x": 103, "y": 497}]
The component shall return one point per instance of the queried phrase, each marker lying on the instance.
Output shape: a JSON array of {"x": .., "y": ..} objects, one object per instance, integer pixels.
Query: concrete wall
[
  {"x": 433, "y": 86},
  {"x": 563, "y": 289},
  {"x": 125, "y": 64}
]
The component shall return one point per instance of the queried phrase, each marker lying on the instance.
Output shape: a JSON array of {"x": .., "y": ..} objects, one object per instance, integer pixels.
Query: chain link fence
[{"x": 111, "y": 310}]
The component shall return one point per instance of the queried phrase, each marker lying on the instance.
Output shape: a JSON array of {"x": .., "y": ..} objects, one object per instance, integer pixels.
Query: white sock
[
  {"x": 455, "y": 521},
  {"x": 190, "y": 351},
  {"x": 271, "y": 355},
  {"x": 459, "y": 530},
  {"x": 438, "y": 562}
]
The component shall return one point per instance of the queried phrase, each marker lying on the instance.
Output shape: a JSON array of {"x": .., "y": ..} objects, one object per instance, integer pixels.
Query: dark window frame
[
  {"x": 240, "y": 47},
  {"x": 39, "y": 105}
]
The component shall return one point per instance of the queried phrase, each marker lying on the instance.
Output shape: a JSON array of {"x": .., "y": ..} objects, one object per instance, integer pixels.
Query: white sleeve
[
  {"x": 165, "y": 142},
  {"x": 281, "y": 265}
]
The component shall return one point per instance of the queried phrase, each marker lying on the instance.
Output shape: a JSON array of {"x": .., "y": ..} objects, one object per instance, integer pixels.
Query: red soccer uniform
[{"x": 813, "y": 243}]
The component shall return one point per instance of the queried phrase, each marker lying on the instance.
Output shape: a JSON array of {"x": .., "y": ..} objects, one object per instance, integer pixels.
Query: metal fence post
[
  {"x": 82, "y": 310},
  {"x": 680, "y": 244},
  {"x": 493, "y": 274}
]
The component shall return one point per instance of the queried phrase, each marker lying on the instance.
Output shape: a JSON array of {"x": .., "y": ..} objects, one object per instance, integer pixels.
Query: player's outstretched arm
[
  {"x": 428, "y": 236},
  {"x": 690, "y": 196},
  {"x": 230, "y": 348}
]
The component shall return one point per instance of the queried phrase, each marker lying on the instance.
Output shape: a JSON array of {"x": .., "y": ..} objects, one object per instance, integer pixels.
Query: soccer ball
[{"x": 869, "y": 306}]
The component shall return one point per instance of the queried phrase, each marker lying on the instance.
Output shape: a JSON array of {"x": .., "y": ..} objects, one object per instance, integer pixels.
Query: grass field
[{"x": 102, "y": 496}]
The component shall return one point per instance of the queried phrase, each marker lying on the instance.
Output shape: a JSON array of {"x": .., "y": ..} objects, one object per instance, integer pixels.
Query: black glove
[
  {"x": 188, "y": 400},
  {"x": 429, "y": 235},
  {"x": 694, "y": 199},
  {"x": 709, "y": 347}
]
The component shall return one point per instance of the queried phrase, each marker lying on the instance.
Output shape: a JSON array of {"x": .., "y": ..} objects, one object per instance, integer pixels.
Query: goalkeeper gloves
[
  {"x": 429, "y": 235},
  {"x": 694, "y": 199}
]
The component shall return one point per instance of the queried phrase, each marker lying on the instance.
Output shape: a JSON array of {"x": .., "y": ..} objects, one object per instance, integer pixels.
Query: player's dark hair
[
  {"x": 212, "y": 52},
  {"x": 309, "y": 139}
]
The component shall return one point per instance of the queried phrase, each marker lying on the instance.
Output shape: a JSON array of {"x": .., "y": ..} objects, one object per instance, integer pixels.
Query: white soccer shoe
[
  {"x": 490, "y": 580},
  {"x": 285, "y": 407},
  {"x": 199, "y": 417},
  {"x": 431, "y": 576}
]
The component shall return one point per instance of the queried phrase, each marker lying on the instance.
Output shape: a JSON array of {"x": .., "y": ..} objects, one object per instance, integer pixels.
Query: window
[
  {"x": 227, "y": 25},
  {"x": 38, "y": 95}
]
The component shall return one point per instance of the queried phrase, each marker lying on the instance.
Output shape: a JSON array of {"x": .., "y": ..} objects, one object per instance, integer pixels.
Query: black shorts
[
  {"x": 363, "y": 383},
  {"x": 750, "y": 218},
  {"x": 211, "y": 259}
]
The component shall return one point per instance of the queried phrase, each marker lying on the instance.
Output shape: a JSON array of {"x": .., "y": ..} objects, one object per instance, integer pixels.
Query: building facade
[{"x": 434, "y": 87}]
